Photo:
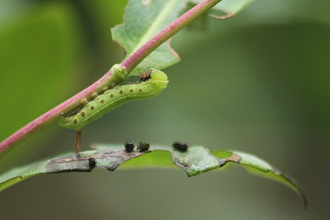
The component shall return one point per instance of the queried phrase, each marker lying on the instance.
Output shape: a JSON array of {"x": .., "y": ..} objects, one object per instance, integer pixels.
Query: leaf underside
[
  {"x": 232, "y": 7},
  {"x": 142, "y": 21},
  {"x": 194, "y": 161},
  {"x": 145, "y": 19},
  {"x": 228, "y": 7}
]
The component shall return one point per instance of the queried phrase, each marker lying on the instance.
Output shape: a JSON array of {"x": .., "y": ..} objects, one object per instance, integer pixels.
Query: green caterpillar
[{"x": 151, "y": 84}]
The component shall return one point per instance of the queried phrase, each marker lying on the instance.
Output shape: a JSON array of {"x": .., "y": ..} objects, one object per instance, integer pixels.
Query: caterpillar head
[{"x": 159, "y": 78}]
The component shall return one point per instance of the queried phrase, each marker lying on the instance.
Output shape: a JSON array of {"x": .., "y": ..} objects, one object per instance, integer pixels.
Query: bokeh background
[{"x": 258, "y": 82}]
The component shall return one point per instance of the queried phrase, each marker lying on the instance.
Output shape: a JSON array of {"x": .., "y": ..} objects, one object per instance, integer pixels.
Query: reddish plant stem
[
  {"x": 130, "y": 63},
  {"x": 50, "y": 116}
]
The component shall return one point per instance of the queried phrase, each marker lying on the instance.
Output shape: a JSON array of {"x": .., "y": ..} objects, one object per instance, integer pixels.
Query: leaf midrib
[{"x": 153, "y": 28}]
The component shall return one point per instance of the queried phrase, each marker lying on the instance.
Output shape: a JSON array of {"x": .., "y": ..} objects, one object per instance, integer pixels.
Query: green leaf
[
  {"x": 194, "y": 161},
  {"x": 230, "y": 7},
  {"x": 260, "y": 167},
  {"x": 142, "y": 21}
]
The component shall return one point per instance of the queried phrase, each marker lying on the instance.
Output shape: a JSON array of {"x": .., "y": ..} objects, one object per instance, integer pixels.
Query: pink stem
[{"x": 50, "y": 116}]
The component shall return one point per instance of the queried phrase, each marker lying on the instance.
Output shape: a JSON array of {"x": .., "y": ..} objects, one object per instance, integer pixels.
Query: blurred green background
[{"x": 258, "y": 82}]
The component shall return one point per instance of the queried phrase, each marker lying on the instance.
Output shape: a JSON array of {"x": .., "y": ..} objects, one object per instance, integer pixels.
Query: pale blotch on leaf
[{"x": 146, "y": 2}]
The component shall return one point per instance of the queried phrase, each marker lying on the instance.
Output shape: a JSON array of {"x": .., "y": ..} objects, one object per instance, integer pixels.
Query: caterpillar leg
[{"x": 78, "y": 143}]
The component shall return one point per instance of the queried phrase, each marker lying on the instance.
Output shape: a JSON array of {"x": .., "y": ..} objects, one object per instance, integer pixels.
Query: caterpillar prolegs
[{"x": 151, "y": 84}]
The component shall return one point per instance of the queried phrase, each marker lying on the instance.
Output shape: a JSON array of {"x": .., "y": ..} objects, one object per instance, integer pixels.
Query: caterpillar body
[{"x": 151, "y": 84}]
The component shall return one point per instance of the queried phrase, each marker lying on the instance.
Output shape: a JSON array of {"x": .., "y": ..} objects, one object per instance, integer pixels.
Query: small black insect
[
  {"x": 183, "y": 147},
  {"x": 92, "y": 162},
  {"x": 142, "y": 147},
  {"x": 129, "y": 146},
  {"x": 145, "y": 76}
]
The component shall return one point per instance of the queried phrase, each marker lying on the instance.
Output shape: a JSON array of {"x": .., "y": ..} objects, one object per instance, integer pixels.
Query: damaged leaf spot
[
  {"x": 195, "y": 160},
  {"x": 109, "y": 159}
]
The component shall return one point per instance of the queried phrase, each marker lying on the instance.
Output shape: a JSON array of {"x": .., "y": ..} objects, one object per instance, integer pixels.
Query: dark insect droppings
[
  {"x": 183, "y": 147},
  {"x": 92, "y": 162},
  {"x": 142, "y": 147},
  {"x": 129, "y": 146}
]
